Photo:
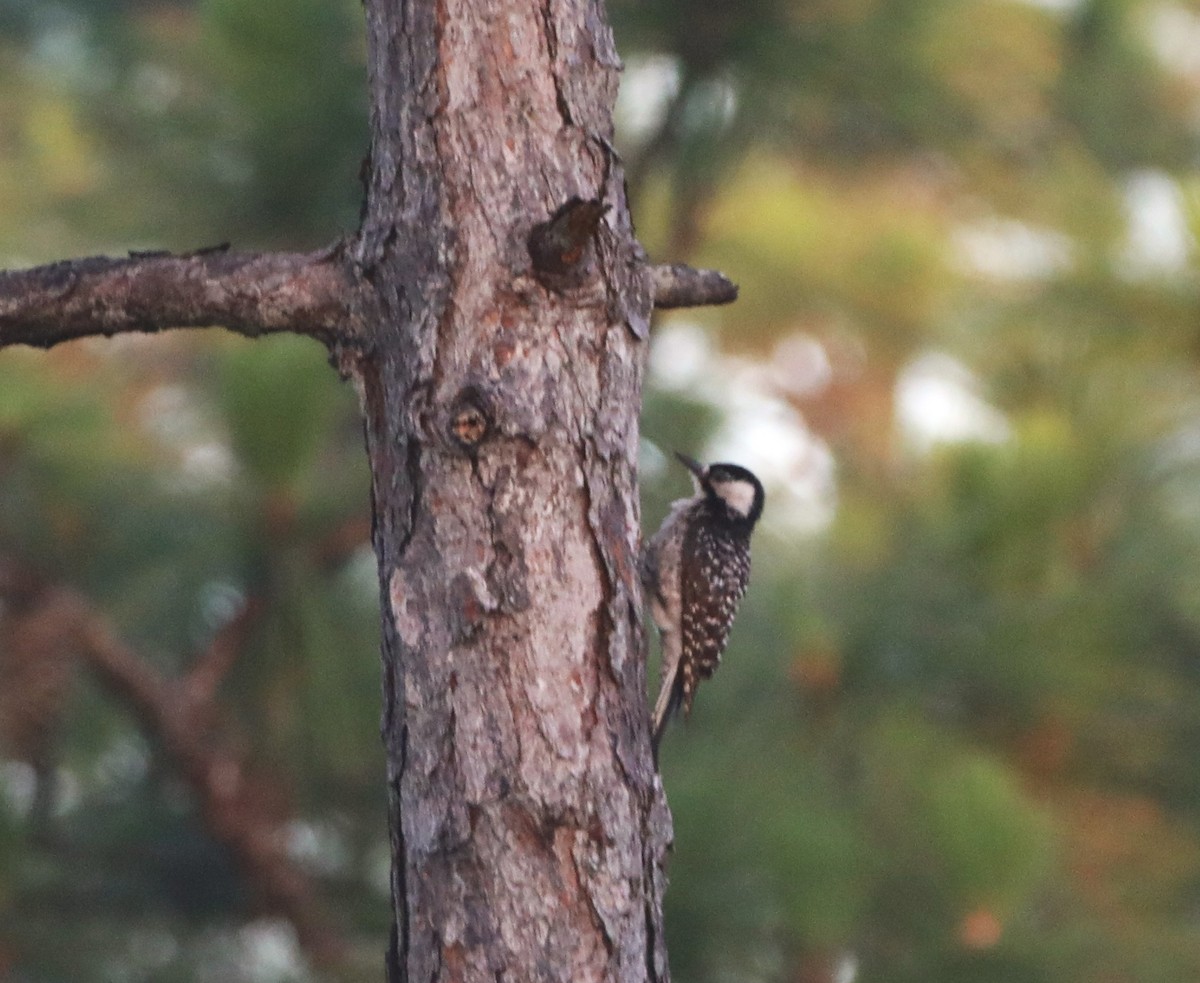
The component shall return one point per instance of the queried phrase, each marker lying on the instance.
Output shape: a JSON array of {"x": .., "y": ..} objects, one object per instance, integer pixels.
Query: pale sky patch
[
  {"x": 937, "y": 402},
  {"x": 1174, "y": 34},
  {"x": 648, "y": 85},
  {"x": 1005, "y": 249},
  {"x": 1158, "y": 241},
  {"x": 760, "y": 430}
]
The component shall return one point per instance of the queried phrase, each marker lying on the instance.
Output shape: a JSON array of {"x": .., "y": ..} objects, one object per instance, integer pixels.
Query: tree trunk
[
  {"x": 501, "y": 399},
  {"x": 493, "y": 312}
]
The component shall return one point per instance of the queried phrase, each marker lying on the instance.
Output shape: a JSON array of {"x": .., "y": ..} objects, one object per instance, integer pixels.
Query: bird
[{"x": 695, "y": 571}]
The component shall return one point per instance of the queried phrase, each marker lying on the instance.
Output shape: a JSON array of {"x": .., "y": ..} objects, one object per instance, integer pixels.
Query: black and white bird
[{"x": 695, "y": 570}]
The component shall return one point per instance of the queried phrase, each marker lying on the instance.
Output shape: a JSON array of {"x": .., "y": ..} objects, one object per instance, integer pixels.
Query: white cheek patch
[{"x": 738, "y": 495}]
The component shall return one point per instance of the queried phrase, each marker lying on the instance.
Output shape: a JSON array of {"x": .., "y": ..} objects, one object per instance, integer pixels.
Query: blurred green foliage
[{"x": 956, "y": 733}]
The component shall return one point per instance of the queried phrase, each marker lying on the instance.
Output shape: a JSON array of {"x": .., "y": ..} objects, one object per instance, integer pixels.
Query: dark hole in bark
[{"x": 560, "y": 245}]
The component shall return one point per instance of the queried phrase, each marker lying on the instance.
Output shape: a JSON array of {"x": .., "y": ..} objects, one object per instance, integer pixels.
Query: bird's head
[{"x": 729, "y": 485}]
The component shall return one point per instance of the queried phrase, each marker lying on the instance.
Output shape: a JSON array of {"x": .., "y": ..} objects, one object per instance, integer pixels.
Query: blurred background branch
[{"x": 50, "y": 628}]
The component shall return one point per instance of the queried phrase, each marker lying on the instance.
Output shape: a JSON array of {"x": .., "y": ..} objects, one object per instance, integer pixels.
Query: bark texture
[
  {"x": 250, "y": 293},
  {"x": 679, "y": 285},
  {"x": 501, "y": 404}
]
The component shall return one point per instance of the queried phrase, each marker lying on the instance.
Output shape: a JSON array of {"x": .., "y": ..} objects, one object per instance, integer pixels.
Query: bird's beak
[{"x": 692, "y": 465}]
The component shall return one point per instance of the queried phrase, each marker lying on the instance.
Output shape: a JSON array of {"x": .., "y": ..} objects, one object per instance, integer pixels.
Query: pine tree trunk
[
  {"x": 501, "y": 400},
  {"x": 493, "y": 311}
]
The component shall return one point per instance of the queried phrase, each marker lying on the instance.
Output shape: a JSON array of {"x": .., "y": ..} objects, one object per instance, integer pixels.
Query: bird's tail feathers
[{"x": 665, "y": 707}]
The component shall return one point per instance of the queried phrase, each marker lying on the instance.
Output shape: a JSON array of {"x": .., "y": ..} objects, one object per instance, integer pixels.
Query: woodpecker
[{"x": 695, "y": 570}]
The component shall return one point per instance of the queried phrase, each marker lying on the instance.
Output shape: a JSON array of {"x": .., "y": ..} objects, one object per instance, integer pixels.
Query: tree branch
[
  {"x": 679, "y": 285},
  {"x": 250, "y": 293},
  {"x": 241, "y": 808},
  {"x": 211, "y": 667},
  {"x": 236, "y": 807}
]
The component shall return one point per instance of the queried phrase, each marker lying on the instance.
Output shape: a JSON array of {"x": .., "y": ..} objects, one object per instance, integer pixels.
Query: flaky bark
[{"x": 501, "y": 399}]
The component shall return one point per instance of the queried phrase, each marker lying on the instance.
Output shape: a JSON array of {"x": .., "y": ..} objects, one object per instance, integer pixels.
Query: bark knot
[
  {"x": 561, "y": 246},
  {"x": 470, "y": 417}
]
